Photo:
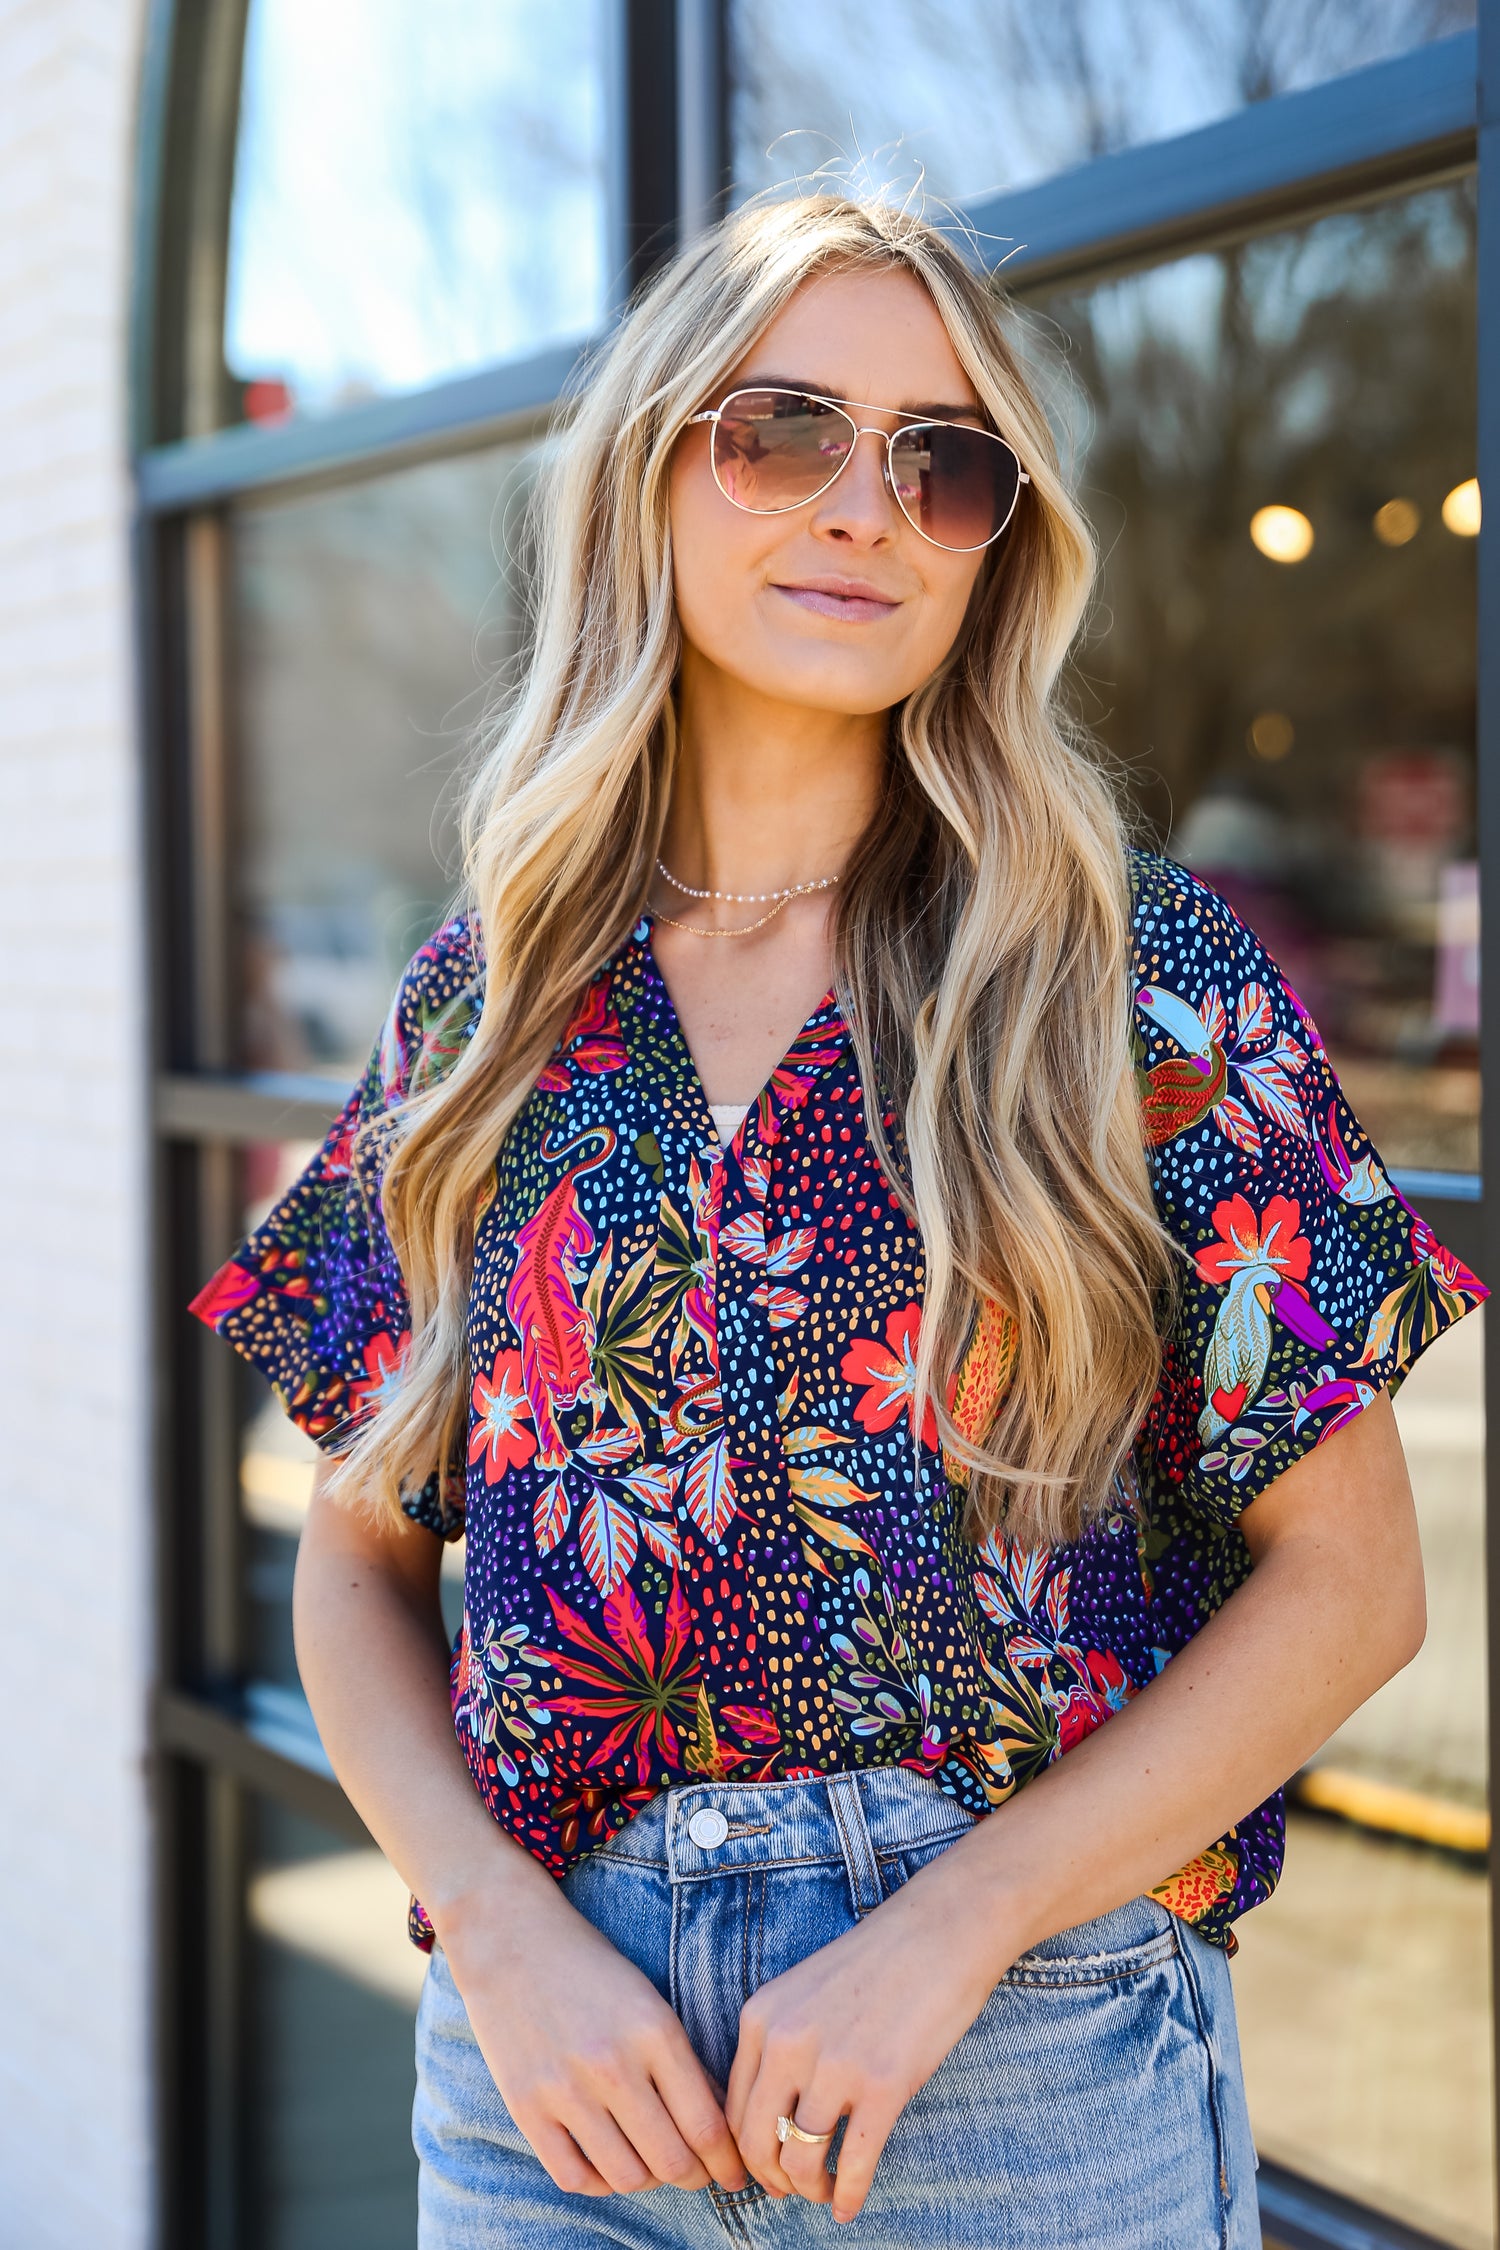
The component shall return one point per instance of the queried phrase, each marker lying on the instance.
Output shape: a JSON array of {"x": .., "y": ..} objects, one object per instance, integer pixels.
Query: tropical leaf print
[
  {"x": 745, "y": 1238},
  {"x": 653, "y": 1486},
  {"x": 823, "y": 1487},
  {"x": 1267, "y": 1082},
  {"x": 790, "y": 1251},
  {"x": 1421, "y": 1305},
  {"x": 782, "y": 1306},
  {"x": 1252, "y": 1013},
  {"x": 607, "y": 1448},
  {"x": 663, "y": 1539},
  {"x": 607, "y": 1538},
  {"x": 833, "y": 1534},
  {"x": 623, "y": 1320},
  {"x": 552, "y": 1512},
  {"x": 683, "y": 1285},
  {"x": 1262, "y": 1061},
  {"x": 983, "y": 1377},
  {"x": 708, "y": 1490},
  {"x": 643, "y": 1695},
  {"x": 1237, "y": 1125},
  {"x": 497, "y": 1702}
]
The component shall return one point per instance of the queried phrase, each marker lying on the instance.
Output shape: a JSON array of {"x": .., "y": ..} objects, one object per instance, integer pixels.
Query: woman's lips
[{"x": 852, "y": 608}]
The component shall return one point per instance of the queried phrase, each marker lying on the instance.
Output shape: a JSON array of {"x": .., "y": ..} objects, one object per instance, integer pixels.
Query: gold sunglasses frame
[{"x": 715, "y": 416}]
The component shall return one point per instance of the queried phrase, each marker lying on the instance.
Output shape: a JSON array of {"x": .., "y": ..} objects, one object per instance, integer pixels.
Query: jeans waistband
[{"x": 699, "y": 1830}]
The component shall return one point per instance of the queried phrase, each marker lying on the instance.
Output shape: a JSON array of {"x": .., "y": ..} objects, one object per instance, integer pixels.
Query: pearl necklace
[
  {"x": 779, "y": 898},
  {"x": 747, "y": 898}
]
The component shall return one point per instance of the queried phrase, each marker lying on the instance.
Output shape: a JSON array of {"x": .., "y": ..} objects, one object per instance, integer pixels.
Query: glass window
[
  {"x": 1276, "y": 446},
  {"x": 370, "y": 620},
  {"x": 333, "y": 1986},
  {"x": 1363, "y": 1985},
  {"x": 978, "y": 95},
  {"x": 418, "y": 192}
]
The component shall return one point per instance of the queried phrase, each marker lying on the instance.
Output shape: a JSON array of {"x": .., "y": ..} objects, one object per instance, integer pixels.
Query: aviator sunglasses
[{"x": 774, "y": 450}]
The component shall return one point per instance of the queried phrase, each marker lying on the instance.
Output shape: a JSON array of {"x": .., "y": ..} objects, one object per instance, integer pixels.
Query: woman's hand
[
  {"x": 854, "y": 2031},
  {"x": 1332, "y": 1608},
  {"x": 590, "y": 2061}
]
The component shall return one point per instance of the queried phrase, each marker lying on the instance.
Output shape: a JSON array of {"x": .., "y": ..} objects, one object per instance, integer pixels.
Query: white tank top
[{"x": 728, "y": 1117}]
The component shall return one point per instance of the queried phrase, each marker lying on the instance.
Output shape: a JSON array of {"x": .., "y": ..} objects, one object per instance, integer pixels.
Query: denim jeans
[{"x": 1096, "y": 2103}]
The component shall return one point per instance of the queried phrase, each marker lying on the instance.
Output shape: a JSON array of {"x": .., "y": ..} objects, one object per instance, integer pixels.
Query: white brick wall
[{"x": 74, "y": 1547}]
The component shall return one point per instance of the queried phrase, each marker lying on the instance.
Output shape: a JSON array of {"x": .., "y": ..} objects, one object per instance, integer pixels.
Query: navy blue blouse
[{"x": 704, "y": 1536}]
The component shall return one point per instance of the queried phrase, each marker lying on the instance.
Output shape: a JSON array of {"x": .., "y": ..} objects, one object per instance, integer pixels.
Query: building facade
[{"x": 290, "y": 295}]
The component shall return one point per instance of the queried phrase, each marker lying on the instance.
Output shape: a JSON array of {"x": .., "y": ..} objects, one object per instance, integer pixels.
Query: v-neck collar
[{"x": 662, "y": 1060}]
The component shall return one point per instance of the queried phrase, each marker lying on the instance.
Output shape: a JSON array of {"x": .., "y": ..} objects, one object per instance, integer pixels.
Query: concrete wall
[{"x": 75, "y": 2164}]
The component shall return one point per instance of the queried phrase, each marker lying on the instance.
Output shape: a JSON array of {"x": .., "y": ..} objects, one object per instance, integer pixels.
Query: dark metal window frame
[{"x": 1425, "y": 117}]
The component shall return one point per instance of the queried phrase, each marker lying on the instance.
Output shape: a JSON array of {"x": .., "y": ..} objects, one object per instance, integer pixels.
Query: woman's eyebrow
[{"x": 931, "y": 410}]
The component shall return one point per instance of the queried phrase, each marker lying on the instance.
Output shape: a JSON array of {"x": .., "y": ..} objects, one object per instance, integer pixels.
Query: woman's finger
[
  {"x": 564, "y": 2161},
  {"x": 617, "y": 2161},
  {"x": 694, "y": 2111},
  {"x": 805, "y": 2163},
  {"x": 773, "y": 2093},
  {"x": 743, "y": 2070},
  {"x": 647, "y": 2123},
  {"x": 865, "y": 2135}
]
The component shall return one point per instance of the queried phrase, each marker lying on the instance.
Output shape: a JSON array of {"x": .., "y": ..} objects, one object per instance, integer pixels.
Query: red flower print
[
  {"x": 647, "y": 1697},
  {"x": 1245, "y": 1240},
  {"x": 385, "y": 1358},
  {"x": 502, "y": 1436},
  {"x": 887, "y": 1375}
]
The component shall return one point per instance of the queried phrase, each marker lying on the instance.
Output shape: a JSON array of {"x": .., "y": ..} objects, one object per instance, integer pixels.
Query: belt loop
[{"x": 860, "y": 1863}]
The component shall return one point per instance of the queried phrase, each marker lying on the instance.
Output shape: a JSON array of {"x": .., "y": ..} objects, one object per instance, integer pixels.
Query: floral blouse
[{"x": 704, "y": 1538}]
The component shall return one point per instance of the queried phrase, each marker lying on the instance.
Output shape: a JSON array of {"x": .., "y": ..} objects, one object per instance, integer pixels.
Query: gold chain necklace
[{"x": 743, "y": 931}]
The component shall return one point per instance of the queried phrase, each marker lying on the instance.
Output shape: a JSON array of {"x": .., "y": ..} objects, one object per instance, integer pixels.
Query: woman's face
[{"x": 839, "y": 605}]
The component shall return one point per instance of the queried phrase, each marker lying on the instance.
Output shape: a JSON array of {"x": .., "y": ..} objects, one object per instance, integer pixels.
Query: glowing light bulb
[
  {"x": 1283, "y": 535},
  {"x": 1461, "y": 509},
  {"x": 1396, "y": 522},
  {"x": 1270, "y": 735}
]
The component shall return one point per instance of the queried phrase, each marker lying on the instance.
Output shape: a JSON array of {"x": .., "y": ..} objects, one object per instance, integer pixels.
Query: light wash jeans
[{"x": 1095, "y": 2104}]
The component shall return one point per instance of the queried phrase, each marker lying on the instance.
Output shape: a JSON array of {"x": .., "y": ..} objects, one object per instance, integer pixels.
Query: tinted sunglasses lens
[
  {"x": 955, "y": 484},
  {"x": 775, "y": 449}
]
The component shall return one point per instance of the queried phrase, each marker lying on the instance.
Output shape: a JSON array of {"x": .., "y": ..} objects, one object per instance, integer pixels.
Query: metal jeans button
[{"x": 708, "y": 1828}]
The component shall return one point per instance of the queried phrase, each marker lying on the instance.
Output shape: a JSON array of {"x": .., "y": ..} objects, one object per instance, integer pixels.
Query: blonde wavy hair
[{"x": 982, "y": 936}]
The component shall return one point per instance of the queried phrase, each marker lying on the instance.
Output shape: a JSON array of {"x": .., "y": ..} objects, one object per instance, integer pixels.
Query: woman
[{"x": 848, "y": 1419}]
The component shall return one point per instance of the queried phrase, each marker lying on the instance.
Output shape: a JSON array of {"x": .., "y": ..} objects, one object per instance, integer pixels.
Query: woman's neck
[{"x": 766, "y": 794}]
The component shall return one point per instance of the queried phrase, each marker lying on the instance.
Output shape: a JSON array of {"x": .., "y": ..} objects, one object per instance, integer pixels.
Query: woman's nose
[{"x": 859, "y": 505}]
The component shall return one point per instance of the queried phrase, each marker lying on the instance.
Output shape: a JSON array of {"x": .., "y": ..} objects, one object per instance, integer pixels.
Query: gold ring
[{"x": 787, "y": 2129}]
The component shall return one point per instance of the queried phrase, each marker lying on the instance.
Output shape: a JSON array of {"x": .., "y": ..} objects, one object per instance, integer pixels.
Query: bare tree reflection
[
  {"x": 1303, "y": 733},
  {"x": 989, "y": 93}
]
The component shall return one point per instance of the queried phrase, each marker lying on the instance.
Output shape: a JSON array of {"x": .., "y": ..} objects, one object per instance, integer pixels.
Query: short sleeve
[
  {"x": 314, "y": 1298},
  {"x": 1308, "y": 1284}
]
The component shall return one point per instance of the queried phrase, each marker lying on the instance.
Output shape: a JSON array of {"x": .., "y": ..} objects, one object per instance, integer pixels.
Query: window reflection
[
  {"x": 333, "y": 1985},
  {"x": 370, "y": 622},
  {"x": 418, "y": 192},
  {"x": 1363, "y": 1985},
  {"x": 977, "y": 95},
  {"x": 1283, "y": 656}
]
